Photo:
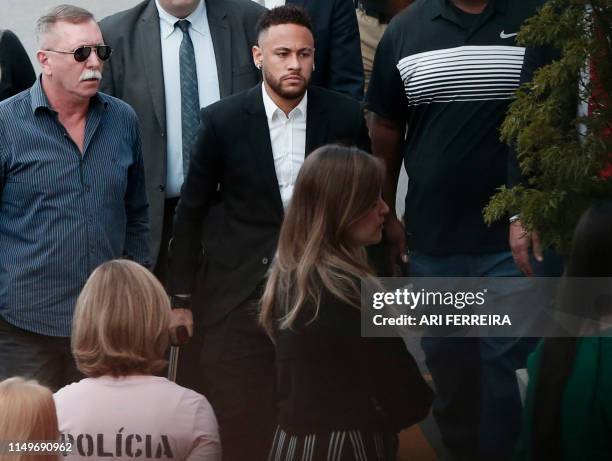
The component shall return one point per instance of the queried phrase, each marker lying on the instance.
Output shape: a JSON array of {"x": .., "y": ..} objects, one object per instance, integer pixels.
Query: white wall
[{"x": 20, "y": 16}]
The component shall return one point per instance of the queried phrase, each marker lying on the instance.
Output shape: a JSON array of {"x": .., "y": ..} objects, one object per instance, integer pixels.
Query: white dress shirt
[
  {"x": 288, "y": 138},
  {"x": 208, "y": 82},
  {"x": 270, "y": 3}
]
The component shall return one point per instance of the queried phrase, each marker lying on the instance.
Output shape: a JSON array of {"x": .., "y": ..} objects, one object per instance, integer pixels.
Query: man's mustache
[{"x": 90, "y": 74}]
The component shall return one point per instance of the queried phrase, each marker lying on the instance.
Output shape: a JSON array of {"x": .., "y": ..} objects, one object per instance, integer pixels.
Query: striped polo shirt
[
  {"x": 62, "y": 213},
  {"x": 450, "y": 76}
]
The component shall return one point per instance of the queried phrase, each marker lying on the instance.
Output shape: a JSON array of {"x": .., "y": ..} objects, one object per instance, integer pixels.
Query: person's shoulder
[
  {"x": 188, "y": 399},
  {"x": 412, "y": 15},
  {"x": 332, "y": 99},
  {"x": 14, "y": 105},
  {"x": 245, "y": 9},
  {"x": 8, "y": 38},
  {"x": 527, "y": 8},
  {"x": 123, "y": 18},
  {"x": 74, "y": 390},
  {"x": 233, "y": 103}
]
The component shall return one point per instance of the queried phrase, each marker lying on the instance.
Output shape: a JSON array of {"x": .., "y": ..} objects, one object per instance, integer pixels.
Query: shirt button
[
  {"x": 264, "y": 260},
  {"x": 87, "y": 188},
  {"x": 161, "y": 188},
  {"x": 90, "y": 219}
]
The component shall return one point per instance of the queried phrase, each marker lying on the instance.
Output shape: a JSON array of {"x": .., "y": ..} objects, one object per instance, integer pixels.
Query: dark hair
[
  {"x": 287, "y": 14},
  {"x": 591, "y": 256}
]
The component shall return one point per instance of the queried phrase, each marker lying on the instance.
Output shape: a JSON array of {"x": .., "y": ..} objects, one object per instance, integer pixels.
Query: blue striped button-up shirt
[{"x": 62, "y": 213}]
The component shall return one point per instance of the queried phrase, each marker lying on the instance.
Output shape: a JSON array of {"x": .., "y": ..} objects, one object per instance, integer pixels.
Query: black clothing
[
  {"x": 330, "y": 378},
  {"x": 16, "y": 72},
  {"x": 233, "y": 150},
  {"x": 338, "y": 64},
  {"x": 451, "y": 76},
  {"x": 237, "y": 364}
]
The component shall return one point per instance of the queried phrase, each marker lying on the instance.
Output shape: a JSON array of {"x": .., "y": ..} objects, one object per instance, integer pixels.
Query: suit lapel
[
  {"x": 216, "y": 11},
  {"x": 149, "y": 47},
  {"x": 259, "y": 137},
  {"x": 317, "y": 121}
]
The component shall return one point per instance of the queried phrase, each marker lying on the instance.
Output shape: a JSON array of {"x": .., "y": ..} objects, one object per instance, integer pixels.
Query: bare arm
[{"x": 387, "y": 140}]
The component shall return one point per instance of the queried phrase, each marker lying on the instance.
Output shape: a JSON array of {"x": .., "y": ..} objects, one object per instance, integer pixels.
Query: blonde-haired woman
[
  {"x": 340, "y": 396},
  {"x": 27, "y": 413},
  {"x": 119, "y": 337}
]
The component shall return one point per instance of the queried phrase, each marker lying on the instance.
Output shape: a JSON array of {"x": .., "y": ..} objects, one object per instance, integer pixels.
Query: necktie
[{"x": 190, "y": 101}]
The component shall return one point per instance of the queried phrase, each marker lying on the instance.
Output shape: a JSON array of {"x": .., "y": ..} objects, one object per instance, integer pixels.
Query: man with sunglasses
[{"x": 72, "y": 195}]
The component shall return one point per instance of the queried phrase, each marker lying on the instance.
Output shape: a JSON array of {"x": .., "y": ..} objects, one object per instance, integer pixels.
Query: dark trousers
[
  {"x": 239, "y": 381},
  {"x": 47, "y": 359},
  {"x": 477, "y": 405},
  {"x": 189, "y": 358}
]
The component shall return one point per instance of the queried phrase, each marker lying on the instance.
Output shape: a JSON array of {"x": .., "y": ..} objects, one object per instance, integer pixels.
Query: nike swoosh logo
[{"x": 502, "y": 34}]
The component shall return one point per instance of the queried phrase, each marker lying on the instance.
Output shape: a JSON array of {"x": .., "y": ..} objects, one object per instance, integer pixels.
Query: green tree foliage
[{"x": 561, "y": 155}]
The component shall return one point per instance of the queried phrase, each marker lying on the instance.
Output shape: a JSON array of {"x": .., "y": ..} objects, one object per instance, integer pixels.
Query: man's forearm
[{"x": 387, "y": 138}]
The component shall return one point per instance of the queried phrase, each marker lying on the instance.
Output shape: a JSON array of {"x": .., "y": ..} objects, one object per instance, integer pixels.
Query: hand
[
  {"x": 181, "y": 318},
  {"x": 396, "y": 246},
  {"x": 520, "y": 241}
]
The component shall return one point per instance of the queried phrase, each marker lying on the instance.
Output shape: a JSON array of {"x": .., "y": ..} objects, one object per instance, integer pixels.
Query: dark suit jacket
[
  {"x": 338, "y": 64},
  {"x": 134, "y": 73},
  {"x": 233, "y": 149}
]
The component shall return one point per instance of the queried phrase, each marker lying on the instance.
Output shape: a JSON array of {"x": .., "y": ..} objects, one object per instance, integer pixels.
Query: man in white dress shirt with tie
[
  {"x": 252, "y": 145},
  {"x": 170, "y": 58}
]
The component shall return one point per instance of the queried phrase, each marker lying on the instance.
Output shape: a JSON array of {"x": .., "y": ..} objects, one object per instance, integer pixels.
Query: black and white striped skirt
[{"x": 335, "y": 446}]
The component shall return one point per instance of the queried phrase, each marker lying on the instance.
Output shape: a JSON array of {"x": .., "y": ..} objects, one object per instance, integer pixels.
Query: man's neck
[
  {"x": 180, "y": 13},
  {"x": 286, "y": 105},
  {"x": 68, "y": 107},
  {"x": 471, "y": 6}
]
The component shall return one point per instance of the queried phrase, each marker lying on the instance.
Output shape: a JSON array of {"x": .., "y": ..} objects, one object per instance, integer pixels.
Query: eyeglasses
[{"x": 82, "y": 52}]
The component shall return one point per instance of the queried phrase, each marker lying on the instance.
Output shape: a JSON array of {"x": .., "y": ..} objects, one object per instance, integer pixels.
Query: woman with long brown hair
[{"x": 340, "y": 396}]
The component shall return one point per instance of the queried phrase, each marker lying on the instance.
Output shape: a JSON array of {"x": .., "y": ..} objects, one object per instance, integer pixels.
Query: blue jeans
[{"x": 477, "y": 406}]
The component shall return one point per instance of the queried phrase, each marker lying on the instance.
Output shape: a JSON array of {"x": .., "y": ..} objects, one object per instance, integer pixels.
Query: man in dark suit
[
  {"x": 338, "y": 64},
  {"x": 144, "y": 72},
  {"x": 251, "y": 145}
]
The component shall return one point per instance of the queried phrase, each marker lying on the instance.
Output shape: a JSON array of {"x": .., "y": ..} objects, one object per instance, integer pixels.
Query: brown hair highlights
[
  {"x": 336, "y": 186},
  {"x": 121, "y": 322}
]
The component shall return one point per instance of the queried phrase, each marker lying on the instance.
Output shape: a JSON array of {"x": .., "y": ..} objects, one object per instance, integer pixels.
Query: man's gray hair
[{"x": 68, "y": 13}]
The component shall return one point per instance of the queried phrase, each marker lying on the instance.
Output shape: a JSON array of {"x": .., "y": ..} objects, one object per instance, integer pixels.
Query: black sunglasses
[{"x": 83, "y": 52}]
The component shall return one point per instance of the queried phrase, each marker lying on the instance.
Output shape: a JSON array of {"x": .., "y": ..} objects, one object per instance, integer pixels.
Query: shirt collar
[
  {"x": 441, "y": 7},
  {"x": 39, "y": 99},
  {"x": 198, "y": 19},
  {"x": 272, "y": 110}
]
